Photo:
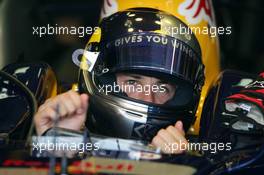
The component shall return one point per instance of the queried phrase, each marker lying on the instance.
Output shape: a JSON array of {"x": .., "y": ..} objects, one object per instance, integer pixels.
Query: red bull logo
[{"x": 197, "y": 10}]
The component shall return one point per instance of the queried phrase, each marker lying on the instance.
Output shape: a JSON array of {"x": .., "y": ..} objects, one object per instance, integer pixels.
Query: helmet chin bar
[{"x": 114, "y": 116}]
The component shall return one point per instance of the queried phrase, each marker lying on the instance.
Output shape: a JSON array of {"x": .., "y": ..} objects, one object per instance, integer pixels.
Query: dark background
[{"x": 243, "y": 50}]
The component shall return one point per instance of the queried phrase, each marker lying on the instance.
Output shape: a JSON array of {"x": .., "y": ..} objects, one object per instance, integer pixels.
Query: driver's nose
[{"x": 150, "y": 97}]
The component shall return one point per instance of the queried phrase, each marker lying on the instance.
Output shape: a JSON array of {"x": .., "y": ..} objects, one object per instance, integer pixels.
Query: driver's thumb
[{"x": 179, "y": 126}]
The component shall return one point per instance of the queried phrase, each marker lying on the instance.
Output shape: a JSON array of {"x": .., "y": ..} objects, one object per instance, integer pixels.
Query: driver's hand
[
  {"x": 71, "y": 108},
  {"x": 171, "y": 140}
]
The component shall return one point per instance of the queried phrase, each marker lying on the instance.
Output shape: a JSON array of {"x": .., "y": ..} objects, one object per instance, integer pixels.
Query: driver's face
[{"x": 145, "y": 88}]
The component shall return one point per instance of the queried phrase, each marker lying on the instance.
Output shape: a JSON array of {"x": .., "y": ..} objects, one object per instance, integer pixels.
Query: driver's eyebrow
[
  {"x": 134, "y": 76},
  {"x": 162, "y": 82}
]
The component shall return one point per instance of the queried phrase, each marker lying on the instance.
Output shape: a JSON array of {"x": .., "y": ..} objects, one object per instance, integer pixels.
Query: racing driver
[{"x": 145, "y": 83}]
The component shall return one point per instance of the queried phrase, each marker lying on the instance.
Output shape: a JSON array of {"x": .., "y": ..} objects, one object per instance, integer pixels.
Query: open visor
[{"x": 165, "y": 56}]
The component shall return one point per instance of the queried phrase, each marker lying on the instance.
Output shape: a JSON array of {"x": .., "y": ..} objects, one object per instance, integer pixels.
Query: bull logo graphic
[{"x": 197, "y": 10}]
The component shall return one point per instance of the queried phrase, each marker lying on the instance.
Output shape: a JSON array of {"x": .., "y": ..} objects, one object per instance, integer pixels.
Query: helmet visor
[{"x": 164, "y": 56}]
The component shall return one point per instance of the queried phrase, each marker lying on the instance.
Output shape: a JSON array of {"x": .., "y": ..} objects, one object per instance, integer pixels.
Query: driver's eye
[
  {"x": 130, "y": 82},
  {"x": 166, "y": 89}
]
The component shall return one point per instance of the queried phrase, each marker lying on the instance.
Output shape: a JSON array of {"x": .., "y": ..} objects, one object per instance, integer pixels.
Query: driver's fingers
[
  {"x": 176, "y": 134},
  {"x": 159, "y": 142},
  {"x": 65, "y": 104},
  {"x": 84, "y": 104},
  {"x": 75, "y": 99},
  {"x": 166, "y": 136},
  {"x": 170, "y": 140},
  {"x": 45, "y": 117},
  {"x": 43, "y": 120},
  {"x": 45, "y": 104}
]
